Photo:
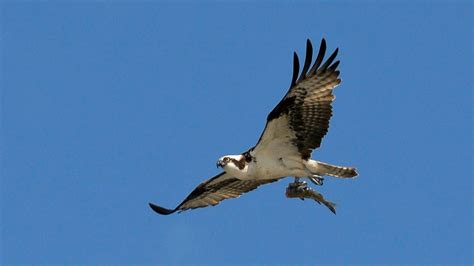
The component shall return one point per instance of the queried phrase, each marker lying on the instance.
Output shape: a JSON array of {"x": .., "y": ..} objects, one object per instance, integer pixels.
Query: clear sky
[{"x": 107, "y": 106}]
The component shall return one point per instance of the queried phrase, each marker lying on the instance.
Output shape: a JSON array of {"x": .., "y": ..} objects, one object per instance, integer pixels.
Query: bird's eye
[{"x": 226, "y": 159}]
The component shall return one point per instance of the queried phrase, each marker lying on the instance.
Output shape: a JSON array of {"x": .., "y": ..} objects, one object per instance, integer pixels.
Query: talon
[
  {"x": 316, "y": 179},
  {"x": 297, "y": 188},
  {"x": 301, "y": 186}
]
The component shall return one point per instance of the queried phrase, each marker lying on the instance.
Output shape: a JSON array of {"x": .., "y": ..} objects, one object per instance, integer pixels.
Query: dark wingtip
[
  {"x": 296, "y": 69},
  {"x": 331, "y": 206},
  {"x": 319, "y": 57},
  {"x": 328, "y": 62},
  {"x": 334, "y": 66},
  {"x": 309, "y": 46},
  {"x": 307, "y": 60},
  {"x": 323, "y": 43},
  {"x": 161, "y": 210}
]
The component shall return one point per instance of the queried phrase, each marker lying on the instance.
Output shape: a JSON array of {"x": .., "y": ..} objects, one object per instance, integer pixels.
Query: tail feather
[{"x": 334, "y": 170}]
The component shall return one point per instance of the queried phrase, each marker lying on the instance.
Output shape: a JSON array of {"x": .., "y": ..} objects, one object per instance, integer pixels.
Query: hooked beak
[{"x": 220, "y": 163}]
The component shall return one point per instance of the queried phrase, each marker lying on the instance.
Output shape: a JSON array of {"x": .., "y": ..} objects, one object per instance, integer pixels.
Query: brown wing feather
[
  {"x": 307, "y": 103},
  {"x": 211, "y": 192}
]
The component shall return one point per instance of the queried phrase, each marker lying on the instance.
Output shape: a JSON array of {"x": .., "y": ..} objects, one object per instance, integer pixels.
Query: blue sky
[{"x": 107, "y": 106}]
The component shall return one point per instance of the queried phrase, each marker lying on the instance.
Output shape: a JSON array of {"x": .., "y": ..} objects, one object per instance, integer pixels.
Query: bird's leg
[{"x": 298, "y": 184}]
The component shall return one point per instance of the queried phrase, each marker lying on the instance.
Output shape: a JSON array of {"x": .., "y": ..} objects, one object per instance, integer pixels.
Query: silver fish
[{"x": 301, "y": 190}]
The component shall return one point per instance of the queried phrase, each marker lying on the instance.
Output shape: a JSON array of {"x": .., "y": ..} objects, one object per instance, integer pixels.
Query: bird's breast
[{"x": 267, "y": 168}]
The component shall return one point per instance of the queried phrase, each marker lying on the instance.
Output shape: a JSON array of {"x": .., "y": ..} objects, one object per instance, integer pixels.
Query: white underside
[
  {"x": 275, "y": 156},
  {"x": 271, "y": 167}
]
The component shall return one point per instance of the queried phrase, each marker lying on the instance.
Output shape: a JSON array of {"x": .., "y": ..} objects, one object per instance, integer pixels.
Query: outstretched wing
[
  {"x": 301, "y": 118},
  {"x": 212, "y": 191}
]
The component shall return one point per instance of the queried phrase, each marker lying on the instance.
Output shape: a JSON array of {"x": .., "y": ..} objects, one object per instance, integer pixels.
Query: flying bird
[{"x": 294, "y": 128}]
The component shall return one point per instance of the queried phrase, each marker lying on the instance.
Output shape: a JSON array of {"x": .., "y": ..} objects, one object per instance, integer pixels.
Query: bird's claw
[
  {"x": 297, "y": 188},
  {"x": 316, "y": 179},
  {"x": 298, "y": 185}
]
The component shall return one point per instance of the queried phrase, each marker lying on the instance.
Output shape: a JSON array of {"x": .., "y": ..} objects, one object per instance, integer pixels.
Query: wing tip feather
[
  {"x": 161, "y": 210},
  {"x": 329, "y": 61},
  {"x": 319, "y": 57},
  {"x": 318, "y": 66},
  {"x": 296, "y": 68},
  {"x": 307, "y": 61}
]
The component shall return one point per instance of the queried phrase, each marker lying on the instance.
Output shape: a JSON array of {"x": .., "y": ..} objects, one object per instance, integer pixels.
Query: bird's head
[{"x": 233, "y": 164}]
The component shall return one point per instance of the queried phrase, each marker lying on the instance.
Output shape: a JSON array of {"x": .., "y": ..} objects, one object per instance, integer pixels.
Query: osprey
[{"x": 294, "y": 128}]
